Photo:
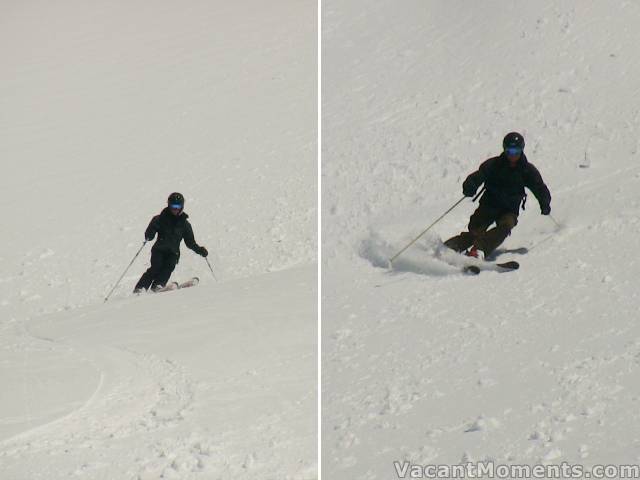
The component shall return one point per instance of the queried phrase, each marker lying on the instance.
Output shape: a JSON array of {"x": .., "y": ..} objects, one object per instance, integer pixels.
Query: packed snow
[
  {"x": 105, "y": 109},
  {"x": 422, "y": 363}
]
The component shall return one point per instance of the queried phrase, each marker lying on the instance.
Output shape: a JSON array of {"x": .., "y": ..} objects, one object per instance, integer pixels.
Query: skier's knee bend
[
  {"x": 477, "y": 233},
  {"x": 507, "y": 221}
]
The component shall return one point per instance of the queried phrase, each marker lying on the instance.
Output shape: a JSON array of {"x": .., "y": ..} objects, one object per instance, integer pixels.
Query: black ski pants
[
  {"x": 157, "y": 275},
  {"x": 479, "y": 235}
]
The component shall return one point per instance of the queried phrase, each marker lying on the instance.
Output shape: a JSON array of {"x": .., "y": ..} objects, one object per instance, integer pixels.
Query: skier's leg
[
  {"x": 168, "y": 265},
  {"x": 460, "y": 242},
  {"x": 494, "y": 237},
  {"x": 478, "y": 224},
  {"x": 146, "y": 280}
]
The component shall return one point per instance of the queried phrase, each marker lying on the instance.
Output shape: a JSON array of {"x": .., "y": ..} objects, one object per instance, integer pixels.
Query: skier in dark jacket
[
  {"x": 505, "y": 178},
  {"x": 172, "y": 227}
]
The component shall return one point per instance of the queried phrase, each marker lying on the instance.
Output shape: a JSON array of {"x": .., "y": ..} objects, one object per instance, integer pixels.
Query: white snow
[
  {"x": 106, "y": 108},
  {"x": 423, "y": 363}
]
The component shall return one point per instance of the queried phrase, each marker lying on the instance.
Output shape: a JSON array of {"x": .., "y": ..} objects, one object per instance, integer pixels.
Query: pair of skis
[
  {"x": 473, "y": 266},
  {"x": 177, "y": 286},
  {"x": 500, "y": 267}
]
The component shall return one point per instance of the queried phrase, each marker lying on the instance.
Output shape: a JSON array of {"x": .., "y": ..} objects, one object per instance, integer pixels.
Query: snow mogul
[
  {"x": 504, "y": 178},
  {"x": 172, "y": 227}
]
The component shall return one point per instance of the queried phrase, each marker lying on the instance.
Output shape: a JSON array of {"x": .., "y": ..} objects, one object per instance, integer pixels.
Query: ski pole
[
  {"x": 555, "y": 221},
  {"x": 125, "y": 271},
  {"x": 430, "y": 226},
  {"x": 478, "y": 194},
  {"x": 211, "y": 268},
  {"x": 423, "y": 232}
]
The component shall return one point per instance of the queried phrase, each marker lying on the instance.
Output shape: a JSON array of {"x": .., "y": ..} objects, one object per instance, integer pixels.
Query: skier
[
  {"x": 504, "y": 177},
  {"x": 172, "y": 227}
]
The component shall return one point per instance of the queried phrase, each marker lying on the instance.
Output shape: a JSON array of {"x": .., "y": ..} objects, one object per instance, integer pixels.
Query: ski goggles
[
  {"x": 175, "y": 206},
  {"x": 513, "y": 151}
]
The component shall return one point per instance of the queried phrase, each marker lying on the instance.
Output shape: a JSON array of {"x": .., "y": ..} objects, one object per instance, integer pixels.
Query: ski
[
  {"x": 502, "y": 251},
  {"x": 512, "y": 265},
  {"x": 190, "y": 283},
  {"x": 471, "y": 270},
  {"x": 167, "y": 288}
]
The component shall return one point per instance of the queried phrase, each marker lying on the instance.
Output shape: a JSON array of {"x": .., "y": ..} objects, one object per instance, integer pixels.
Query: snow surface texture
[
  {"x": 428, "y": 365},
  {"x": 106, "y": 108}
]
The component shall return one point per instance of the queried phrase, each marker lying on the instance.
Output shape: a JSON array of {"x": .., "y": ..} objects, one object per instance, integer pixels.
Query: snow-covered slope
[
  {"x": 428, "y": 365},
  {"x": 106, "y": 108},
  {"x": 211, "y": 382}
]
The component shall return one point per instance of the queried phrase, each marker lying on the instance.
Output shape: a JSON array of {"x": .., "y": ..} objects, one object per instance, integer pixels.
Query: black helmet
[
  {"x": 513, "y": 139},
  {"x": 175, "y": 199}
]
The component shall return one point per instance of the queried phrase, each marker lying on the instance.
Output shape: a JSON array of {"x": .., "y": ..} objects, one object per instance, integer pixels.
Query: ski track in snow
[
  {"x": 156, "y": 392},
  {"x": 213, "y": 411},
  {"x": 423, "y": 363}
]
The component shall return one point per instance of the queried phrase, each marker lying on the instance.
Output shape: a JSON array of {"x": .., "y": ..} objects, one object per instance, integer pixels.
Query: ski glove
[
  {"x": 203, "y": 252},
  {"x": 545, "y": 210},
  {"x": 469, "y": 188}
]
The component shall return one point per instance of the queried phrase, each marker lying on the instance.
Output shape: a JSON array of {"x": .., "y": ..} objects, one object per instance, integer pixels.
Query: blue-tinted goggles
[
  {"x": 513, "y": 151},
  {"x": 176, "y": 206}
]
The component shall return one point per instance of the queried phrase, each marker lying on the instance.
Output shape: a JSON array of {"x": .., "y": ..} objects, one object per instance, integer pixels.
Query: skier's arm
[
  {"x": 152, "y": 229},
  {"x": 471, "y": 184},
  {"x": 537, "y": 186},
  {"x": 190, "y": 242},
  {"x": 477, "y": 178}
]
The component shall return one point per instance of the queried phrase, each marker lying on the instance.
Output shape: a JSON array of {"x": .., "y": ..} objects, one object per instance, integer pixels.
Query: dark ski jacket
[
  {"x": 505, "y": 184},
  {"x": 171, "y": 231}
]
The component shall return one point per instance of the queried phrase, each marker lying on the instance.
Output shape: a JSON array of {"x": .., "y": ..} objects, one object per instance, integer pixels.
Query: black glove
[
  {"x": 203, "y": 252},
  {"x": 545, "y": 209},
  {"x": 469, "y": 188},
  {"x": 148, "y": 239}
]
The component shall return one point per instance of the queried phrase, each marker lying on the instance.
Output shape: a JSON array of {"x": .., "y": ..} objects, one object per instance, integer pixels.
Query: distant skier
[
  {"x": 172, "y": 227},
  {"x": 505, "y": 178}
]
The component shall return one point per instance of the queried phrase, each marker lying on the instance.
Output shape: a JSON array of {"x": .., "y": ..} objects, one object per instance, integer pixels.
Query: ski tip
[
  {"x": 471, "y": 270},
  {"x": 192, "y": 282}
]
